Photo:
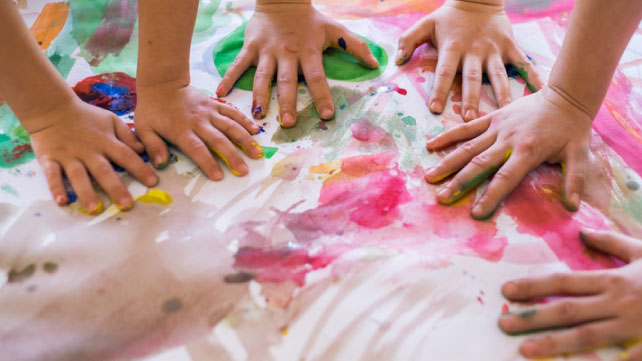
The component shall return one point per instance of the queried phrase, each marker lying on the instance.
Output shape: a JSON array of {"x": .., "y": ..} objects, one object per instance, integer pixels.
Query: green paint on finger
[
  {"x": 524, "y": 74},
  {"x": 528, "y": 314},
  {"x": 466, "y": 187}
]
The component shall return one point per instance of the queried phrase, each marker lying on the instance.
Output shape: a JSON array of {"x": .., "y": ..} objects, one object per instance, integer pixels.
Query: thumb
[
  {"x": 418, "y": 34},
  {"x": 574, "y": 172}
]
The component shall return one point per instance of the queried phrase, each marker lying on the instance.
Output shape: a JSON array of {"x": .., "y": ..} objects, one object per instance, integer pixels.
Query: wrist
[
  {"x": 263, "y": 5},
  {"x": 145, "y": 90},
  {"x": 44, "y": 118},
  {"x": 559, "y": 97}
]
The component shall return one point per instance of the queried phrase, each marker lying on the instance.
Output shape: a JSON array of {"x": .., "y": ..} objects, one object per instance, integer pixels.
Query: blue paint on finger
[{"x": 342, "y": 43}]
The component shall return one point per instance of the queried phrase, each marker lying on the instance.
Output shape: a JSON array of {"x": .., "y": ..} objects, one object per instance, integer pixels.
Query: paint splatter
[
  {"x": 115, "y": 92},
  {"x": 155, "y": 196},
  {"x": 269, "y": 152},
  {"x": 409, "y": 120}
]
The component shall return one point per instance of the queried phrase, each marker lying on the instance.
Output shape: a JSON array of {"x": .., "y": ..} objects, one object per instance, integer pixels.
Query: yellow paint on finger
[
  {"x": 258, "y": 148},
  {"x": 156, "y": 196},
  {"x": 224, "y": 159},
  {"x": 98, "y": 209},
  {"x": 442, "y": 177},
  {"x": 508, "y": 154}
]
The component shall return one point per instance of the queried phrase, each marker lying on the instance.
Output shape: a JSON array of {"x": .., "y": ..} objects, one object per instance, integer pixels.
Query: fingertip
[
  {"x": 436, "y": 107},
  {"x": 61, "y": 199},
  {"x": 509, "y": 289},
  {"x": 287, "y": 120}
]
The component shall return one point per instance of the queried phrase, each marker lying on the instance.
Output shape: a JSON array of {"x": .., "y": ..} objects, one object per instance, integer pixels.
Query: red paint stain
[
  {"x": 112, "y": 91},
  {"x": 16, "y": 153},
  {"x": 505, "y": 309},
  {"x": 364, "y": 131},
  {"x": 479, "y": 299},
  {"x": 280, "y": 265},
  {"x": 401, "y": 91}
]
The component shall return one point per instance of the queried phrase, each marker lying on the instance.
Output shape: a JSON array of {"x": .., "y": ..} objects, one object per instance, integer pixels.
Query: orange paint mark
[{"x": 49, "y": 23}]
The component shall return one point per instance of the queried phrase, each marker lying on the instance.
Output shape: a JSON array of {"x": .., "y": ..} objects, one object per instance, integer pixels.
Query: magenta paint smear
[{"x": 114, "y": 32}]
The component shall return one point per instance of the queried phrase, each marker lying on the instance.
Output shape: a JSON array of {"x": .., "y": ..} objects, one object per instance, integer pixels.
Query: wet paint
[
  {"x": 342, "y": 43},
  {"x": 524, "y": 74},
  {"x": 155, "y": 196},
  {"x": 224, "y": 159},
  {"x": 338, "y": 64},
  {"x": 115, "y": 92},
  {"x": 467, "y": 186},
  {"x": 269, "y": 152}
]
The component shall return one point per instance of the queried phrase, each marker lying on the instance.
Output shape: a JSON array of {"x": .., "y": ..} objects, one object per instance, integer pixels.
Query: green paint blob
[
  {"x": 338, "y": 64},
  {"x": 63, "y": 63},
  {"x": 409, "y": 120},
  {"x": 268, "y": 152},
  {"x": 15, "y": 148}
]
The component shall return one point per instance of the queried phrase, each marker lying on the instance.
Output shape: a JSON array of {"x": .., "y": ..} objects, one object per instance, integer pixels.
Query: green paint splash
[
  {"x": 15, "y": 148},
  {"x": 268, "y": 152},
  {"x": 338, "y": 64},
  {"x": 409, "y": 120}
]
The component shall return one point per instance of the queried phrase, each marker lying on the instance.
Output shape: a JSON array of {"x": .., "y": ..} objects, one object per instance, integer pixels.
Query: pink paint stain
[
  {"x": 537, "y": 209},
  {"x": 280, "y": 265},
  {"x": 114, "y": 32},
  {"x": 363, "y": 130}
]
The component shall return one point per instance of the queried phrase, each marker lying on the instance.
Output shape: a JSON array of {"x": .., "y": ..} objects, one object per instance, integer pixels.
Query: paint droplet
[
  {"x": 172, "y": 305},
  {"x": 268, "y": 152},
  {"x": 240, "y": 277},
  {"x": 155, "y": 195},
  {"x": 633, "y": 185},
  {"x": 409, "y": 120},
  {"x": 50, "y": 267},
  {"x": 24, "y": 274}
]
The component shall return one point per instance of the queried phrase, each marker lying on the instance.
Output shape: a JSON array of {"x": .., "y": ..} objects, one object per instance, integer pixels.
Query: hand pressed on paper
[
  {"x": 197, "y": 125},
  {"x": 599, "y": 308},
  {"x": 510, "y": 142},
  {"x": 81, "y": 140},
  {"x": 291, "y": 38},
  {"x": 469, "y": 37}
]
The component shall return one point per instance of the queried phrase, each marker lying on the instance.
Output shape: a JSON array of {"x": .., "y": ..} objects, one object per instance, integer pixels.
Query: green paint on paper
[
  {"x": 338, "y": 64},
  {"x": 268, "y": 152},
  {"x": 86, "y": 17},
  {"x": 9, "y": 189},
  {"x": 409, "y": 120},
  {"x": 63, "y": 63}
]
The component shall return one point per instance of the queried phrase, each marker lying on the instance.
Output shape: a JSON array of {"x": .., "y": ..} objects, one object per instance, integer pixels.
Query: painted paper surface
[{"x": 332, "y": 248}]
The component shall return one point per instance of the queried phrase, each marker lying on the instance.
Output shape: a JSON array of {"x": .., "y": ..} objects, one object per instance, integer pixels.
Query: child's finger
[
  {"x": 318, "y": 85},
  {"x": 125, "y": 158},
  {"x": 567, "y": 312},
  {"x": 286, "y": 86},
  {"x": 343, "y": 38},
  {"x": 127, "y": 136},
  {"x": 156, "y": 148},
  {"x": 447, "y": 64},
  {"x": 239, "y": 135},
  {"x": 53, "y": 174},
  {"x": 194, "y": 148},
  {"x": 418, "y": 34},
  {"x": 106, "y": 177},
  {"x": 459, "y": 158},
  {"x": 459, "y": 133},
  {"x": 496, "y": 72},
  {"x": 574, "y": 174},
  {"x": 80, "y": 182},
  {"x": 262, "y": 86},
  {"x": 238, "y": 117},
  {"x": 503, "y": 182},
  {"x": 237, "y": 68},
  {"x": 525, "y": 68},
  {"x": 633, "y": 353},
  {"x": 471, "y": 87},
  {"x": 582, "y": 283},
  {"x": 572, "y": 340},
  {"x": 625, "y": 248},
  {"x": 224, "y": 149}
]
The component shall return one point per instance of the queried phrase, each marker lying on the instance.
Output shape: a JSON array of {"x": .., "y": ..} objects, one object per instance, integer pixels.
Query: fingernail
[
  {"x": 435, "y": 107},
  {"x": 529, "y": 348},
  {"x": 60, "y": 199},
  {"x": 219, "y": 90},
  {"x": 257, "y": 111},
  {"x": 471, "y": 114},
  {"x": 95, "y": 208},
  {"x": 431, "y": 143},
  {"x": 151, "y": 180},
  {"x": 374, "y": 62},
  {"x": 431, "y": 174},
  {"x": 327, "y": 114},
  {"x": 575, "y": 201},
  {"x": 509, "y": 288},
  {"x": 243, "y": 168},
  {"x": 478, "y": 211},
  {"x": 125, "y": 204},
  {"x": 401, "y": 57},
  {"x": 258, "y": 148},
  {"x": 287, "y": 119},
  {"x": 158, "y": 160},
  {"x": 443, "y": 195}
]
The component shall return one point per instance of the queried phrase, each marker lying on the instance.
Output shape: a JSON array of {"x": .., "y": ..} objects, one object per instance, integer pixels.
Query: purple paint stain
[{"x": 342, "y": 43}]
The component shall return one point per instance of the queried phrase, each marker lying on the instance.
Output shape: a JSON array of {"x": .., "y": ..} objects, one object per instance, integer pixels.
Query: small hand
[
  {"x": 80, "y": 140},
  {"x": 510, "y": 142},
  {"x": 600, "y": 308},
  {"x": 291, "y": 37},
  {"x": 468, "y": 37},
  {"x": 197, "y": 125}
]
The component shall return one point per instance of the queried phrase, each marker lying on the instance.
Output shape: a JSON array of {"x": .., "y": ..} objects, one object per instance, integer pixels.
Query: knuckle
[
  {"x": 444, "y": 73},
  {"x": 503, "y": 176},
  {"x": 261, "y": 74},
  {"x": 316, "y": 75},
  {"x": 468, "y": 148},
  {"x": 567, "y": 310},
  {"x": 285, "y": 79},
  {"x": 481, "y": 160},
  {"x": 527, "y": 147},
  {"x": 473, "y": 75}
]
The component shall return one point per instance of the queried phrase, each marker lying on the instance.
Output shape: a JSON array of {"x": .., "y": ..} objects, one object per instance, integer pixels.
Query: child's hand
[
  {"x": 197, "y": 125},
  {"x": 291, "y": 38},
  {"x": 602, "y": 308},
  {"x": 510, "y": 142},
  {"x": 468, "y": 36},
  {"x": 80, "y": 140}
]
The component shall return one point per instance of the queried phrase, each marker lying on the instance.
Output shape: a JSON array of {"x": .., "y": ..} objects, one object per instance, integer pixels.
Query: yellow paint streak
[
  {"x": 508, "y": 154},
  {"x": 155, "y": 195},
  {"x": 49, "y": 23},
  {"x": 259, "y": 148},
  {"x": 98, "y": 209},
  {"x": 442, "y": 177},
  {"x": 326, "y": 168},
  {"x": 227, "y": 163}
]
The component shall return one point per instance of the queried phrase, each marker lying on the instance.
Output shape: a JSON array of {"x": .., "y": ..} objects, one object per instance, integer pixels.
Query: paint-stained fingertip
[{"x": 402, "y": 57}]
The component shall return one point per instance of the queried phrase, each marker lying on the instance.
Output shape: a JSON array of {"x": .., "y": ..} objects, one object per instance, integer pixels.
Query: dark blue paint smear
[
  {"x": 120, "y": 98},
  {"x": 511, "y": 71},
  {"x": 342, "y": 43},
  {"x": 72, "y": 196},
  {"x": 120, "y": 169}
]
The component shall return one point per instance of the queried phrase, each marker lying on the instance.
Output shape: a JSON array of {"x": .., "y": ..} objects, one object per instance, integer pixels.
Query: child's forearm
[
  {"x": 166, "y": 28},
  {"x": 597, "y": 36},
  {"x": 29, "y": 83}
]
